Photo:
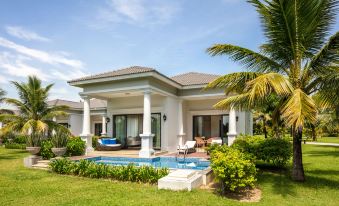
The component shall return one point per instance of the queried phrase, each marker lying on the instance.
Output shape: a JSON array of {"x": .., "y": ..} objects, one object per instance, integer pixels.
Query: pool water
[{"x": 158, "y": 162}]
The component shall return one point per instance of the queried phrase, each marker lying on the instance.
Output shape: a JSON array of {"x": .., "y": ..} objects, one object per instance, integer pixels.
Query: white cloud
[
  {"x": 22, "y": 33},
  {"x": 136, "y": 12},
  {"x": 42, "y": 56},
  {"x": 3, "y": 80},
  {"x": 15, "y": 66}
]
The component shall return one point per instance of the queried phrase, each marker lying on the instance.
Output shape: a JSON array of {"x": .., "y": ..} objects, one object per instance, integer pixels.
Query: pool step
[
  {"x": 181, "y": 180},
  {"x": 42, "y": 164}
]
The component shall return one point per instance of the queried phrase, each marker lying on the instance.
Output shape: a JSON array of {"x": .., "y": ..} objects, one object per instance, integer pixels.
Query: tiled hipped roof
[
  {"x": 115, "y": 73},
  {"x": 191, "y": 78},
  {"x": 95, "y": 103},
  {"x": 194, "y": 78}
]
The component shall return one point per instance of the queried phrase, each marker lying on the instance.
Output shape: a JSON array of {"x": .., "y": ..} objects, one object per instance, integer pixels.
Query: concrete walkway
[{"x": 323, "y": 144}]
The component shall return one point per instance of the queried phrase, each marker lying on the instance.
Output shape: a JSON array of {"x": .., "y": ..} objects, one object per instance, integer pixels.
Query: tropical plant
[
  {"x": 60, "y": 137},
  {"x": 35, "y": 118},
  {"x": 86, "y": 168},
  {"x": 2, "y": 97},
  {"x": 297, "y": 61},
  {"x": 233, "y": 169},
  {"x": 75, "y": 147},
  {"x": 46, "y": 149}
]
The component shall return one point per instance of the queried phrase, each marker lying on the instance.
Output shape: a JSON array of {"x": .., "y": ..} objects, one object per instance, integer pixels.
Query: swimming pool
[{"x": 158, "y": 162}]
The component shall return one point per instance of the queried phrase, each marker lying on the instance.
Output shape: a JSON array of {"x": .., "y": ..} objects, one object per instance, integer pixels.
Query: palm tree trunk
[
  {"x": 264, "y": 125},
  {"x": 314, "y": 134},
  {"x": 298, "y": 168}
]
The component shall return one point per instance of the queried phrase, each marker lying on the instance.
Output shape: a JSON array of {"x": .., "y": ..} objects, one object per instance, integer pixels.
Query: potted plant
[
  {"x": 59, "y": 140},
  {"x": 33, "y": 143}
]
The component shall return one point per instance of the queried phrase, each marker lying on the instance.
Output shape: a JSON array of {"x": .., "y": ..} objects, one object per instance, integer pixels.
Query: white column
[
  {"x": 232, "y": 130},
  {"x": 104, "y": 132},
  {"x": 147, "y": 136},
  {"x": 86, "y": 126},
  {"x": 54, "y": 120},
  {"x": 181, "y": 134}
]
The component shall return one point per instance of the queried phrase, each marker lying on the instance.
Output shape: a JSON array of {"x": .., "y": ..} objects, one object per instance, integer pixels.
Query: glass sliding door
[
  {"x": 210, "y": 126},
  {"x": 202, "y": 126},
  {"x": 127, "y": 129},
  {"x": 156, "y": 130},
  {"x": 224, "y": 128},
  {"x": 120, "y": 129},
  {"x": 97, "y": 129}
]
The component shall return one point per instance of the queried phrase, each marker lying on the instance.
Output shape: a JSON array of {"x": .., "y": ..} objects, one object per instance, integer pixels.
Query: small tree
[{"x": 35, "y": 117}]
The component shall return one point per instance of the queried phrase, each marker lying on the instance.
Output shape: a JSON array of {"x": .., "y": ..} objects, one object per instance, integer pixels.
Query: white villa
[{"x": 145, "y": 109}]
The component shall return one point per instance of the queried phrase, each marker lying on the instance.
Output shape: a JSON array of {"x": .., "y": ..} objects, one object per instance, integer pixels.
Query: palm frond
[
  {"x": 235, "y": 82},
  {"x": 326, "y": 57},
  {"x": 266, "y": 84},
  {"x": 249, "y": 59},
  {"x": 298, "y": 109}
]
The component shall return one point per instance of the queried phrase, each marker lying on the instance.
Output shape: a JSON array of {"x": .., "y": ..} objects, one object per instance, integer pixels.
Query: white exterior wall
[{"x": 75, "y": 120}]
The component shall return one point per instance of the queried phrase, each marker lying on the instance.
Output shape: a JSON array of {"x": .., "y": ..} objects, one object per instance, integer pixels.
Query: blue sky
[{"x": 65, "y": 39}]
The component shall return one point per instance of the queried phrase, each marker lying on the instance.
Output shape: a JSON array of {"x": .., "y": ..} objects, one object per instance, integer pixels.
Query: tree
[
  {"x": 2, "y": 97},
  {"x": 298, "y": 60},
  {"x": 35, "y": 118}
]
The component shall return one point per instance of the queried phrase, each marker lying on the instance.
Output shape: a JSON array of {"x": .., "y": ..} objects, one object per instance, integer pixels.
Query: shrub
[
  {"x": 248, "y": 144},
  {"x": 85, "y": 168},
  {"x": 75, "y": 147},
  {"x": 95, "y": 141},
  {"x": 233, "y": 169},
  {"x": 46, "y": 149},
  {"x": 276, "y": 151},
  {"x": 11, "y": 145},
  {"x": 20, "y": 139}
]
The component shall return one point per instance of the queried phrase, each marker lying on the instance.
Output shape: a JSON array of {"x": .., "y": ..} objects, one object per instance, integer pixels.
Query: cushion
[{"x": 108, "y": 141}]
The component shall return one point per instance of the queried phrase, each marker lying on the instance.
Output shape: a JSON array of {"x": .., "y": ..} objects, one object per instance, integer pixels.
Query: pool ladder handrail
[{"x": 178, "y": 154}]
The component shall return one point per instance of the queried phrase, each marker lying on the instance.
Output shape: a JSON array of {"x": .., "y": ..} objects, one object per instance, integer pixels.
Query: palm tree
[
  {"x": 2, "y": 97},
  {"x": 35, "y": 118},
  {"x": 299, "y": 59}
]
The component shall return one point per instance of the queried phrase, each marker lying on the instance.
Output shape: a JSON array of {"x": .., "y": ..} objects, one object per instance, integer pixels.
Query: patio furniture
[
  {"x": 214, "y": 140},
  {"x": 188, "y": 147},
  {"x": 133, "y": 141},
  {"x": 108, "y": 144},
  {"x": 200, "y": 141},
  {"x": 217, "y": 140}
]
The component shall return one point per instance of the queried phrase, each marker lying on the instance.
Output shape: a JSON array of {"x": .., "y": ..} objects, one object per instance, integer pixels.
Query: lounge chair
[
  {"x": 108, "y": 144},
  {"x": 188, "y": 147},
  {"x": 214, "y": 140},
  {"x": 200, "y": 141}
]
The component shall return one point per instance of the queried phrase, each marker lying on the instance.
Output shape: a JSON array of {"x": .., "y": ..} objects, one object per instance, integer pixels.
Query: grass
[
  {"x": 22, "y": 186},
  {"x": 328, "y": 139}
]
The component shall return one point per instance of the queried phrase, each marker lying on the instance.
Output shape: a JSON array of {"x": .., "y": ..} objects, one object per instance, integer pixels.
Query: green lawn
[
  {"x": 328, "y": 139},
  {"x": 21, "y": 186}
]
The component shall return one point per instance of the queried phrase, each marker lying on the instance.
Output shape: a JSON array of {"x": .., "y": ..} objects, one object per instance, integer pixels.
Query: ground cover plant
[{"x": 86, "y": 168}]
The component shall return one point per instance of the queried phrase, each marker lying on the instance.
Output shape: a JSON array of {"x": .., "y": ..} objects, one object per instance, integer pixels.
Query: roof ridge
[
  {"x": 194, "y": 73},
  {"x": 57, "y": 100}
]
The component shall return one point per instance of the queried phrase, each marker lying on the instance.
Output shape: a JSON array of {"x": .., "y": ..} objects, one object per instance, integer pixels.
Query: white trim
[
  {"x": 128, "y": 76},
  {"x": 138, "y": 110},
  {"x": 128, "y": 89},
  {"x": 208, "y": 112},
  {"x": 197, "y": 96}
]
